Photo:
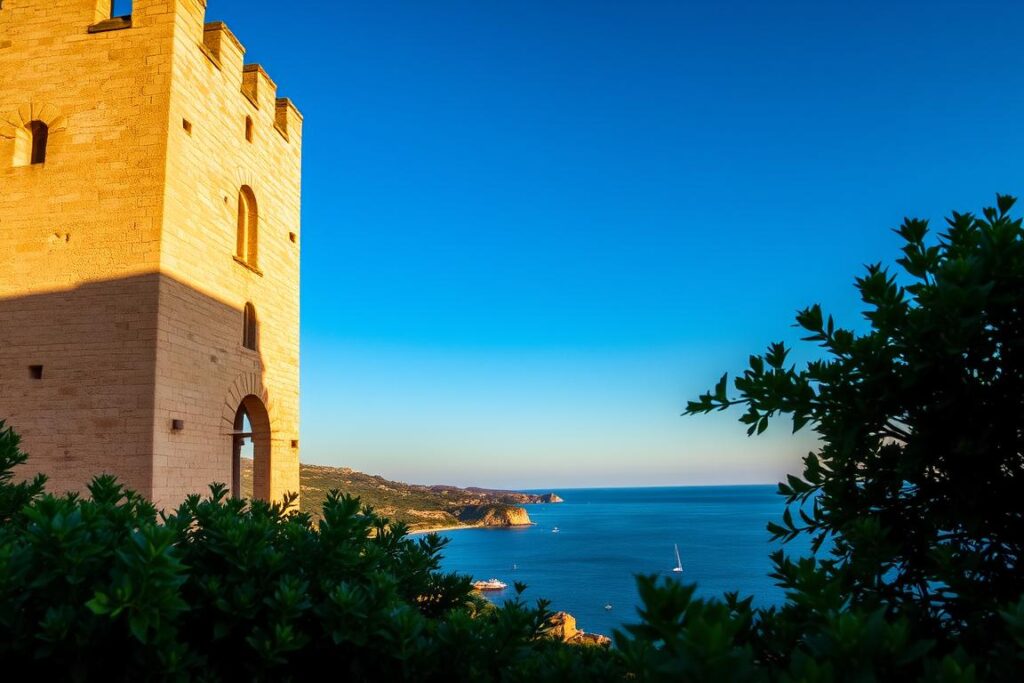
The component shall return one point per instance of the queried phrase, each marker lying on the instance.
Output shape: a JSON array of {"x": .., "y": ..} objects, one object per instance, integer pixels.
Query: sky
[{"x": 532, "y": 230}]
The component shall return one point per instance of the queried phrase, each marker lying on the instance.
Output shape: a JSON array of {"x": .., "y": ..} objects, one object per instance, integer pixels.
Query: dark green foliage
[
  {"x": 14, "y": 496},
  {"x": 224, "y": 589},
  {"x": 914, "y": 497}
]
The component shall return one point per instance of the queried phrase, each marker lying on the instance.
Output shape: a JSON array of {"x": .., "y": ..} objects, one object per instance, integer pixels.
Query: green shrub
[{"x": 224, "y": 589}]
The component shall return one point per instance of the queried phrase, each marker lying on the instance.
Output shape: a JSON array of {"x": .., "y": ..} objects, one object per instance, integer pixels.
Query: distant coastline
[
  {"x": 459, "y": 527},
  {"x": 422, "y": 508},
  {"x": 434, "y": 530}
]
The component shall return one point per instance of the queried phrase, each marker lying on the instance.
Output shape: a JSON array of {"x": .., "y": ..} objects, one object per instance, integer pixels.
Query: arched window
[
  {"x": 248, "y": 226},
  {"x": 248, "y": 128},
  {"x": 30, "y": 144},
  {"x": 251, "y": 437},
  {"x": 250, "y": 328},
  {"x": 40, "y": 133}
]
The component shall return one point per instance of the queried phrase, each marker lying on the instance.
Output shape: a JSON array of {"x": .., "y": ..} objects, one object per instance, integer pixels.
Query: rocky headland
[{"x": 497, "y": 514}]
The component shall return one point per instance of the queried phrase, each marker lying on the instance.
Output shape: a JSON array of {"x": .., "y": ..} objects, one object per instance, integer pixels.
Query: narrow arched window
[
  {"x": 248, "y": 128},
  {"x": 250, "y": 327},
  {"x": 248, "y": 226},
  {"x": 30, "y": 144},
  {"x": 40, "y": 133}
]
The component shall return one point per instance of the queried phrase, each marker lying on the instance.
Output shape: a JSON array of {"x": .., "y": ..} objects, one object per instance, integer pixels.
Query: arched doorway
[{"x": 252, "y": 426}]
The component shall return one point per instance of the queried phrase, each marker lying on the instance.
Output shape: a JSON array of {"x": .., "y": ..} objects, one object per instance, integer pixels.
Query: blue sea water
[{"x": 607, "y": 536}]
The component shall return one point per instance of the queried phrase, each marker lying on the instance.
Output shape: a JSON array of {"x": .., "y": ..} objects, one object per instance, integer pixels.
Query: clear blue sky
[{"x": 533, "y": 229}]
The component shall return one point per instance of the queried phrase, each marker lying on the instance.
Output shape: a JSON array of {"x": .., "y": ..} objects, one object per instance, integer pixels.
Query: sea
[{"x": 606, "y": 536}]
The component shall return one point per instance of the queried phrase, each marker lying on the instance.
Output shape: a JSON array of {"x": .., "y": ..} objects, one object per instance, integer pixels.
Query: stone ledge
[
  {"x": 112, "y": 24},
  {"x": 248, "y": 266}
]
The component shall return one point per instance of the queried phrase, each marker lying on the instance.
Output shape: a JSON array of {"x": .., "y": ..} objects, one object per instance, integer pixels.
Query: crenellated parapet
[
  {"x": 223, "y": 49},
  {"x": 155, "y": 18}
]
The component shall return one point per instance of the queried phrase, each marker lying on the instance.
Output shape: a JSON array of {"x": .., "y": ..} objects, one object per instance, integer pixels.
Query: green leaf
[
  {"x": 721, "y": 388},
  {"x": 1005, "y": 203},
  {"x": 99, "y": 604}
]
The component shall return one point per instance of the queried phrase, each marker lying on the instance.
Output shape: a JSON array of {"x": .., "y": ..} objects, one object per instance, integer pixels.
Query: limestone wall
[
  {"x": 202, "y": 366},
  {"x": 117, "y": 268},
  {"x": 79, "y": 232}
]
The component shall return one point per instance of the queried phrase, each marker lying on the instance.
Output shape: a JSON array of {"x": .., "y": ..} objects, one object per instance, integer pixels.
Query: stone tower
[{"x": 149, "y": 250}]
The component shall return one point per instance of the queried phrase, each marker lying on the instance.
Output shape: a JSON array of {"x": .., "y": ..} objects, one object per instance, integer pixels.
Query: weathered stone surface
[
  {"x": 592, "y": 639},
  {"x": 562, "y": 626}
]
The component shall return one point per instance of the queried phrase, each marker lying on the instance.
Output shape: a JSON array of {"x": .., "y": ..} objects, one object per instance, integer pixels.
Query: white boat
[
  {"x": 679, "y": 562},
  {"x": 555, "y": 530},
  {"x": 608, "y": 606},
  {"x": 490, "y": 585}
]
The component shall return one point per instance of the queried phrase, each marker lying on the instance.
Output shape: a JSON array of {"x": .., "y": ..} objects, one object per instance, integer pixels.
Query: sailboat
[{"x": 679, "y": 562}]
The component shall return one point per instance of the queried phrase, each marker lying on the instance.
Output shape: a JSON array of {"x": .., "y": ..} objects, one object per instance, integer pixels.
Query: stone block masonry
[{"x": 136, "y": 155}]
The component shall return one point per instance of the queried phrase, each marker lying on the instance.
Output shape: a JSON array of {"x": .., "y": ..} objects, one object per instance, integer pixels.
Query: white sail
[{"x": 679, "y": 562}]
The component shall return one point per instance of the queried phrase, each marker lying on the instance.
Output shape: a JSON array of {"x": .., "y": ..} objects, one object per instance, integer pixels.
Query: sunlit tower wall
[{"x": 149, "y": 249}]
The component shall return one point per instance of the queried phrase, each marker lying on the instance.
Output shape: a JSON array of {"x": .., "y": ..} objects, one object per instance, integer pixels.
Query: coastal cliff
[{"x": 494, "y": 515}]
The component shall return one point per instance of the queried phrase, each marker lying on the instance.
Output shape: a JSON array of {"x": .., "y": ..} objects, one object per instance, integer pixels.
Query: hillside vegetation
[{"x": 419, "y": 506}]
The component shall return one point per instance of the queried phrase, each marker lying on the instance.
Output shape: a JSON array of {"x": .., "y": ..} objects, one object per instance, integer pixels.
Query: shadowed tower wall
[{"x": 122, "y": 288}]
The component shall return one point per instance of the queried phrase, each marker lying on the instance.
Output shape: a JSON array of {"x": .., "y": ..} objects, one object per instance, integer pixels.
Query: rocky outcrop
[
  {"x": 562, "y": 626},
  {"x": 593, "y": 639},
  {"x": 494, "y": 515},
  {"x": 550, "y": 498}
]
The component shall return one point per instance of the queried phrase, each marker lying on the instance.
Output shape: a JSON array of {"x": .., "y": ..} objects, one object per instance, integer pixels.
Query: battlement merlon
[
  {"x": 227, "y": 53},
  {"x": 258, "y": 86},
  {"x": 287, "y": 118},
  {"x": 222, "y": 47}
]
